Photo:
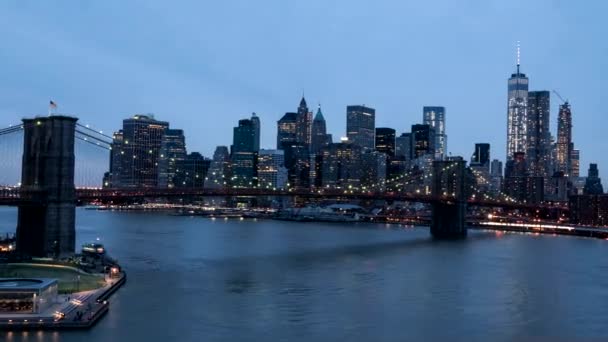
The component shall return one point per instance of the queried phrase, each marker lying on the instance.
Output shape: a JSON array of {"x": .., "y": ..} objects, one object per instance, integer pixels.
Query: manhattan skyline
[{"x": 192, "y": 70}]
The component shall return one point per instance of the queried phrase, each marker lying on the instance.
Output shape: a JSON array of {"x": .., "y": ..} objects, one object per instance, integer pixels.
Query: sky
[{"x": 203, "y": 65}]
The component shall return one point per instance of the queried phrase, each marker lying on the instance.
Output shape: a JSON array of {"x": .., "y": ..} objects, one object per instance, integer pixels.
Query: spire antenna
[{"x": 518, "y": 56}]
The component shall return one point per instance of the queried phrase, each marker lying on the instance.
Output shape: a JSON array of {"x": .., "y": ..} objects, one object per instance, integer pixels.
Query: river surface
[{"x": 194, "y": 279}]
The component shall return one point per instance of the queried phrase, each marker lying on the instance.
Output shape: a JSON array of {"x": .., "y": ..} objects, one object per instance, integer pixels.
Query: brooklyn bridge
[{"x": 47, "y": 196}]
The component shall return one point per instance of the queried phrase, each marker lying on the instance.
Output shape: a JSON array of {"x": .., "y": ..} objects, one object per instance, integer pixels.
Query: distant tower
[
  {"x": 319, "y": 137},
  {"x": 303, "y": 124},
  {"x": 255, "y": 120},
  {"x": 435, "y": 117},
  {"x": 593, "y": 185},
  {"x": 517, "y": 112},
  {"x": 564, "y": 144}
]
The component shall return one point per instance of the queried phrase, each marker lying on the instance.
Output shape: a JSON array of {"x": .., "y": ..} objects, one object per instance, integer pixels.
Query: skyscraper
[
  {"x": 385, "y": 141},
  {"x": 319, "y": 133},
  {"x": 480, "y": 165},
  {"x": 272, "y": 173},
  {"x": 435, "y": 117},
  {"x": 481, "y": 155},
  {"x": 575, "y": 162},
  {"x": 539, "y": 137},
  {"x": 564, "y": 144},
  {"x": 172, "y": 151},
  {"x": 495, "y": 176},
  {"x": 403, "y": 146},
  {"x": 286, "y": 130},
  {"x": 360, "y": 126},
  {"x": 303, "y": 124},
  {"x": 244, "y": 153},
  {"x": 137, "y": 150},
  {"x": 192, "y": 171},
  {"x": 593, "y": 185},
  {"x": 219, "y": 173},
  {"x": 423, "y": 141},
  {"x": 517, "y": 116},
  {"x": 255, "y": 121}
]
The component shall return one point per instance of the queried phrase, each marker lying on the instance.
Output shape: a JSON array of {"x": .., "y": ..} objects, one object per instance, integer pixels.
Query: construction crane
[{"x": 560, "y": 97}]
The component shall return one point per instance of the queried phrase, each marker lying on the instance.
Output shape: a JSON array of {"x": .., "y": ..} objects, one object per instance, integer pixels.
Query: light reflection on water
[{"x": 192, "y": 279}]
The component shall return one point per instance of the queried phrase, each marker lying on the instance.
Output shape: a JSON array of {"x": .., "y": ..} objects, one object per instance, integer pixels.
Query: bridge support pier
[
  {"x": 46, "y": 224},
  {"x": 449, "y": 209}
]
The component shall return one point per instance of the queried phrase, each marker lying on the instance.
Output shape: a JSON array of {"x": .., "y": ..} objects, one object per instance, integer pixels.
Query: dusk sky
[{"x": 203, "y": 65}]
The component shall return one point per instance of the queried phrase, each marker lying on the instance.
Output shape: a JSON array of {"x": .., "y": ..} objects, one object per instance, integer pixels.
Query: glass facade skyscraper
[
  {"x": 435, "y": 117},
  {"x": 517, "y": 114}
]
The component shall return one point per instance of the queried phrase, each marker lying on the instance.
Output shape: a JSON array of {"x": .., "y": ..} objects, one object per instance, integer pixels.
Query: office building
[
  {"x": 243, "y": 153},
  {"x": 422, "y": 141},
  {"x": 385, "y": 141},
  {"x": 192, "y": 171},
  {"x": 538, "y": 152},
  {"x": 172, "y": 151},
  {"x": 286, "y": 130},
  {"x": 135, "y": 152},
  {"x": 361, "y": 126},
  {"x": 272, "y": 173},
  {"x": 219, "y": 174},
  {"x": 341, "y": 165}
]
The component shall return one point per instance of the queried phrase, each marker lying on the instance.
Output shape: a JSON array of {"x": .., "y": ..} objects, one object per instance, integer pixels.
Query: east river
[{"x": 194, "y": 279}]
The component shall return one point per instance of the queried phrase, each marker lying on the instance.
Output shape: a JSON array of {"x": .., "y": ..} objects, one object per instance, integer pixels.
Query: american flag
[{"x": 52, "y": 105}]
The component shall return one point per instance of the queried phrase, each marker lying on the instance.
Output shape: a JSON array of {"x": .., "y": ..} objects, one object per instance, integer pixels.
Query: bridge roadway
[{"x": 15, "y": 196}]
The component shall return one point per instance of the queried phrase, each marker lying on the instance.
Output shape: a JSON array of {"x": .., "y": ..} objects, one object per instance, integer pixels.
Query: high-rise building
[
  {"x": 539, "y": 137},
  {"x": 495, "y": 176},
  {"x": 243, "y": 153},
  {"x": 481, "y": 155},
  {"x": 319, "y": 133},
  {"x": 360, "y": 126},
  {"x": 341, "y": 165},
  {"x": 373, "y": 167},
  {"x": 423, "y": 141},
  {"x": 192, "y": 171},
  {"x": 219, "y": 174},
  {"x": 519, "y": 184},
  {"x": 172, "y": 151},
  {"x": 255, "y": 121},
  {"x": 286, "y": 130},
  {"x": 136, "y": 150},
  {"x": 403, "y": 146},
  {"x": 517, "y": 113},
  {"x": 303, "y": 124},
  {"x": 385, "y": 141},
  {"x": 480, "y": 166},
  {"x": 575, "y": 162},
  {"x": 564, "y": 144},
  {"x": 272, "y": 173},
  {"x": 593, "y": 184},
  {"x": 435, "y": 117}
]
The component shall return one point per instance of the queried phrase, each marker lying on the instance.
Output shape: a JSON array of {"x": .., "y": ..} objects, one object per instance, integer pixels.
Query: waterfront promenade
[{"x": 78, "y": 310}]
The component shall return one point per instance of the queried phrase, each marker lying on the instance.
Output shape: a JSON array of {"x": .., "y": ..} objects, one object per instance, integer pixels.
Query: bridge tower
[
  {"x": 449, "y": 208},
  {"x": 46, "y": 222}
]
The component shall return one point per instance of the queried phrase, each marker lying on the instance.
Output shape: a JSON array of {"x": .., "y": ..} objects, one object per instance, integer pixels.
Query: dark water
[{"x": 192, "y": 279}]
